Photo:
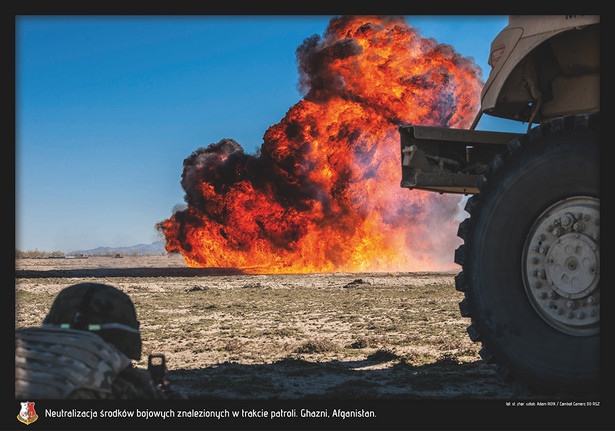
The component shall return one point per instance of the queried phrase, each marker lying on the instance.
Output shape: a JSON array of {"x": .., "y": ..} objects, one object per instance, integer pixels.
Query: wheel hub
[{"x": 561, "y": 265}]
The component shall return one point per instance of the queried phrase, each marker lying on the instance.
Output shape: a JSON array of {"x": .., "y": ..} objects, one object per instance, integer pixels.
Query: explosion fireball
[{"x": 323, "y": 193}]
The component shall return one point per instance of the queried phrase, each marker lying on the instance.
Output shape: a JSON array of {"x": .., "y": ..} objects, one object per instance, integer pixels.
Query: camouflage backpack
[{"x": 54, "y": 363}]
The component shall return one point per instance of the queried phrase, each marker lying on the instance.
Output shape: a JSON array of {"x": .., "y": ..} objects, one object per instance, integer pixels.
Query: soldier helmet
[{"x": 101, "y": 309}]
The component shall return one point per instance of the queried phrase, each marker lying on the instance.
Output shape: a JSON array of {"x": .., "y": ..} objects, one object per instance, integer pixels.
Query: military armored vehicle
[{"x": 531, "y": 252}]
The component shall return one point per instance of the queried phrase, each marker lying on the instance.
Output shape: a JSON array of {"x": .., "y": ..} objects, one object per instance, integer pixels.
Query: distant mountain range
[{"x": 153, "y": 248}]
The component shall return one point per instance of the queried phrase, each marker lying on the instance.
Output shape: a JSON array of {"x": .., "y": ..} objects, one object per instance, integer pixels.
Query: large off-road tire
[{"x": 531, "y": 258}]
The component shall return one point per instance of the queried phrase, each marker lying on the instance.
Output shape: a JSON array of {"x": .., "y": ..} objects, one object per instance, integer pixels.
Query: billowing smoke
[{"x": 323, "y": 192}]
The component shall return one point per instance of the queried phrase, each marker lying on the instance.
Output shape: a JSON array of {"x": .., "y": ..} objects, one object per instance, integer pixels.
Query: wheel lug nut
[
  {"x": 578, "y": 227},
  {"x": 570, "y": 305}
]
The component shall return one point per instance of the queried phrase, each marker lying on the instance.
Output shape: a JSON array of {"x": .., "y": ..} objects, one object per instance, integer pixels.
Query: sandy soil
[{"x": 228, "y": 335}]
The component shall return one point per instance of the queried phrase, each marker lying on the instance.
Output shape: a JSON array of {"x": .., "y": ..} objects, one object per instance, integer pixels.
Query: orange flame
[{"x": 323, "y": 194}]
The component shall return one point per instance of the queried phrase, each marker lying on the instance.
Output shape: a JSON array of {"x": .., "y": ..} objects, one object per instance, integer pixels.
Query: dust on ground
[{"x": 228, "y": 335}]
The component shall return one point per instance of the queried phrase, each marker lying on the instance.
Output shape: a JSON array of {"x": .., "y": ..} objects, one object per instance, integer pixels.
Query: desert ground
[{"x": 228, "y": 335}]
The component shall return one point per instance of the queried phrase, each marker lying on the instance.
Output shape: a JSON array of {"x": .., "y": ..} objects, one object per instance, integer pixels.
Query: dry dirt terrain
[{"x": 228, "y": 335}]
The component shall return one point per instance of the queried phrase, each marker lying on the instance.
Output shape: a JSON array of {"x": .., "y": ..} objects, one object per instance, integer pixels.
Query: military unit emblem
[{"x": 27, "y": 414}]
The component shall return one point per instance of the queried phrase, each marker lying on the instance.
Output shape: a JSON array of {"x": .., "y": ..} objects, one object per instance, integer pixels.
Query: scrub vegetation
[{"x": 236, "y": 336}]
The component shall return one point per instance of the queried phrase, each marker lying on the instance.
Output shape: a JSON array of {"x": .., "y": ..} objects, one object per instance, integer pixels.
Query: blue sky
[{"x": 107, "y": 108}]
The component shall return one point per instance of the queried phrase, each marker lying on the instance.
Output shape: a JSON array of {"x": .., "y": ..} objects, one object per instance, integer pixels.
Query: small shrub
[
  {"x": 383, "y": 355},
  {"x": 317, "y": 346}
]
